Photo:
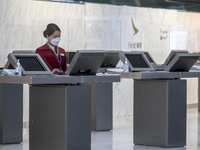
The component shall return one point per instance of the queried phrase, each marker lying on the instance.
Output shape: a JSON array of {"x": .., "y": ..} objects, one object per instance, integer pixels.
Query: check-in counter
[
  {"x": 160, "y": 107},
  {"x": 60, "y": 110}
]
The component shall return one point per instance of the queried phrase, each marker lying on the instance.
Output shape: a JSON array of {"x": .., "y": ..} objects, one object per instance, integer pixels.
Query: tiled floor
[{"x": 121, "y": 138}]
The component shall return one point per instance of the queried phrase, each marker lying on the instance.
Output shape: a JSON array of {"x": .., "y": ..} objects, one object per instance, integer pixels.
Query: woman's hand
[{"x": 56, "y": 71}]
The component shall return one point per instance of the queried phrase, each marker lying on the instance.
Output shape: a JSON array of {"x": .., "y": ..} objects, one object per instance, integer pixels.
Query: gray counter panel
[
  {"x": 102, "y": 104},
  {"x": 161, "y": 75},
  {"x": 59, "y": 79},
  {"x": 160, "y": 113},
  {"x": 151, "y": 75},
  {"x": 11, "y": 113},
  {"x": 60, "y": 117}
]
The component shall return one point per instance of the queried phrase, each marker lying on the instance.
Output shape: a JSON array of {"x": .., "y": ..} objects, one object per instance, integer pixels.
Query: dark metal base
[
  {"x": 101, "y": 109},
  {"x": 11, "y": 113},
  {"x": 60, "y": 117},
  {"x": 160, "y": 113},
  {"x": 199, "y": 95}
]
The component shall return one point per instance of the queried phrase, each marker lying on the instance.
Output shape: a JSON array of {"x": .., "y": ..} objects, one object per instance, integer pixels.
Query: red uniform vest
[{"x": 51, "y": 59}]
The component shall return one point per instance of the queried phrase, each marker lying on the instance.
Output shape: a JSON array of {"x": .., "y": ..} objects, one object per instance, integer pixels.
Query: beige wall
[{"x": 92, "y": 26}]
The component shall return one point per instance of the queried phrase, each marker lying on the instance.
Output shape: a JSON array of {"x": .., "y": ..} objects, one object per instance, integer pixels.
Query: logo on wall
[
  {"x": 137, "y": 41},
  {"x": 135, "y": 29}
]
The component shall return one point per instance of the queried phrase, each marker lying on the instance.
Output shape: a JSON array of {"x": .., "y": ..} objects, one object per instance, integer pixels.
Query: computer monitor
[
  {"x": 32, "y": 64},
  {"x": 137, "y": 61},
  {"x": 70, "y": 56},
  {"x": 111, "y": 59},
  {"x": 182, "y": 62},
  {"x": 172, "y": 55},
  {"x": 86, "y": 62},
  {"x": 149, "y": 57}
]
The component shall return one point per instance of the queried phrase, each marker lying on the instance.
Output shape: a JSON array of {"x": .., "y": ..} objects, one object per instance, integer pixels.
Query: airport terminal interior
[{"x": 125, "y": 75}]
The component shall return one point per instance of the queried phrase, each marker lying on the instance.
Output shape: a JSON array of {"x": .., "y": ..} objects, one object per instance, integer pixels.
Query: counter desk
[
  {"x": 59, "y": 114},
  {"x": 159, "y": 106}
]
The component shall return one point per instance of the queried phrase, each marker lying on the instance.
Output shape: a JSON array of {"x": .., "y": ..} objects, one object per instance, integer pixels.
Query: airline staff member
[{"x": 53, "y": 56}]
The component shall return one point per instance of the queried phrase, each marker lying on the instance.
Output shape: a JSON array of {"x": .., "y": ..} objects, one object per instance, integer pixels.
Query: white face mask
[{"x": 55, "y": 41}]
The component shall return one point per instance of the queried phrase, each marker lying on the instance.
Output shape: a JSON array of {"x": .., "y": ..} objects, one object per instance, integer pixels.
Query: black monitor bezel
[
  {"x": 115, "y": 58},
  {"x": 172, "y": 55},
  {"x": 69, "y": 56},
  {"x": 12, "y": 61},
  {"x": 74, "y": 68},
  {"x": 148, "y": 55},
  {"x": 136, "y": 69},
  {"x": 178, "y": 57}
]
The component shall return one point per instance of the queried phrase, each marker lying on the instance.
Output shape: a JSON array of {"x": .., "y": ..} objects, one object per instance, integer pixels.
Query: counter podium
[
  {"x": 102, "y": 107},
  {"x": 160, "y": 107},
  {"x": 59, "y": 114}
]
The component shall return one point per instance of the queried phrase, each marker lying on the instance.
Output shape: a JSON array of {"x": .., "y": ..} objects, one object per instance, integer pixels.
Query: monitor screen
[
  {"x": 182, "y": 62},
  {"x": 149, "y": 57},
  {"x": 86, "y": 62},
  {"x": 173, "y": 54},
  {"x": 31, "y": 63},
  {"x": 111, "y": 59},
  {"x": 137, "y": 61}
]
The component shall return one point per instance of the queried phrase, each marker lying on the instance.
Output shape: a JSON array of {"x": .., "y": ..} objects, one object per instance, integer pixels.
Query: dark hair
[{"x": 51, "y": 28}]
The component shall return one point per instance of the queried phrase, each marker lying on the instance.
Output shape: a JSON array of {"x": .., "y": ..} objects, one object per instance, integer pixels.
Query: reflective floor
[{"x": 121, "y": 138}]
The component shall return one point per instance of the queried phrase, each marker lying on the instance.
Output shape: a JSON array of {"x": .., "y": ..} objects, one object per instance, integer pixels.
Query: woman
[{"x": 54, "y": 56}]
